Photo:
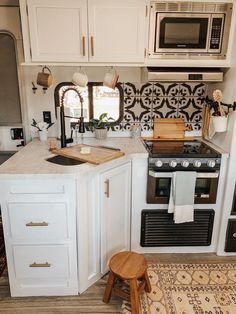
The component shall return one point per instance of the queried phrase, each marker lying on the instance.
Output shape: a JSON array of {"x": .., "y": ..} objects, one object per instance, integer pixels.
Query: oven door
[
  {"x": 158, "y": 187},
  {"x": 181, "y": 32}
]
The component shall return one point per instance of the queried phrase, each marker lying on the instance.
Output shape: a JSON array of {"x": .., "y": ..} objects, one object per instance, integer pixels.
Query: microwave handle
[{"x": 203, "y": 175}]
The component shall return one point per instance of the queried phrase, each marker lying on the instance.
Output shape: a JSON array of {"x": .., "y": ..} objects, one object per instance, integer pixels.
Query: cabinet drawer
[
  {"x": 37, "y": 187},
  {"x": 41, "y": 262},
  {"x": 38, "y": 221}
]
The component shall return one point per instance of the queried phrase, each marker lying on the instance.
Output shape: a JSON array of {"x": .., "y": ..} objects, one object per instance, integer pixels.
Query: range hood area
[{"x": 181, "y": 74}]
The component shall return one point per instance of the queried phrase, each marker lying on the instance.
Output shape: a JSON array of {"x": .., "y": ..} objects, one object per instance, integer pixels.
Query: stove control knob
[
  {"x": 173, "y": 163},
  {"x": 211, "y": 163},
  {"x": 185, "y": 163},
  {"x": 197, "y": 163},
  {"x": 158, "y": 163}
]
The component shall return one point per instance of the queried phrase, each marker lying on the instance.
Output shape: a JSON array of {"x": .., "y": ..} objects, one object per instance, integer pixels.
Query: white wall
[{"x": 39, "y": 102}]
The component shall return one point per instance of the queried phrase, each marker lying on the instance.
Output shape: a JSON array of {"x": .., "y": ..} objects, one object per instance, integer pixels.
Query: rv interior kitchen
[{"x": 117, "y": 156}]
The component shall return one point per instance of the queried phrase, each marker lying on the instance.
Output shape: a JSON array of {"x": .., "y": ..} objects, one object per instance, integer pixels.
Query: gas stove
[{"x": 182, "y": 155}]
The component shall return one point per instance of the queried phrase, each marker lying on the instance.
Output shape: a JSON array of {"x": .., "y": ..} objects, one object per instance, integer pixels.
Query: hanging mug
[
  {"x": 111, "y": 79},
  {"x": 45, "y": 79},
  {"x": 80, "y": 78}
]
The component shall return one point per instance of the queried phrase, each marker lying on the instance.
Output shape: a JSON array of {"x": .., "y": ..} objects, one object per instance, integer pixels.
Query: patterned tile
[
  {"x": 192, "y": 89},
  {"x": 190, "y": 109},
  {"x": 159, "y": 103},
  {"x": 142, "y": 103},
  {"x": 195, "y": 102},
  {"x": 165, "y": 89},
  {"x": 165, "y": 107},
  {"x": 137, "y": 109},
  {"x": 138, "y": 90}
]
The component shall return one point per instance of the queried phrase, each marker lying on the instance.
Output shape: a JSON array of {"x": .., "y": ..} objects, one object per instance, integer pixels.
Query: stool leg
[
  {"x": 134, "y": 298},
  {"x": 109, "y": 287},
  {"x": 147, "y": 283}
]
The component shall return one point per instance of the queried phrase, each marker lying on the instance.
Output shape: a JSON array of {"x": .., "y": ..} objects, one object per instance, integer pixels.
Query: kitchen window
[
  {"x": 97, "y": 100},
  {"x": 10, "y": 111}
]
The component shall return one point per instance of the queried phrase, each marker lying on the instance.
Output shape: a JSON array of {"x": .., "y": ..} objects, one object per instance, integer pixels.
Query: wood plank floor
[{"x": 91, "y": 300}]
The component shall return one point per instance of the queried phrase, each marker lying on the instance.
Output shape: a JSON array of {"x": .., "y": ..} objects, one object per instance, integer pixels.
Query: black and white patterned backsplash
[{"x": 143, "y": 102}]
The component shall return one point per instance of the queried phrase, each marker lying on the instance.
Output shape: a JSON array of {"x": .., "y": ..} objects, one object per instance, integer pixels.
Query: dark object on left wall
[{"x": 17, "y": 134}]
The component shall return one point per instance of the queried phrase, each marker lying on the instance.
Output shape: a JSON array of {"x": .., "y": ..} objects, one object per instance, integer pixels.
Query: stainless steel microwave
[{"x": 189, "y": 29}]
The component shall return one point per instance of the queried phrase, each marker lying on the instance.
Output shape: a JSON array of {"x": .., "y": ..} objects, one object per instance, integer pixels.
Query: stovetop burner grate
[{"x": 180, "y": 148}]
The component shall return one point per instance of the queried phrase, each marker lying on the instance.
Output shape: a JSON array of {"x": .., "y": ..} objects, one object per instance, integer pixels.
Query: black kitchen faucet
[{"x": 81, "y": 128}]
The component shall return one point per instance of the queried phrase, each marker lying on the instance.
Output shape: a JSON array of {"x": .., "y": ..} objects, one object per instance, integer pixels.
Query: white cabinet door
[
  {"x": 117, "y": 30},
  {"x": 58, "y": 30},
  {"x": 115, "y": 212}
]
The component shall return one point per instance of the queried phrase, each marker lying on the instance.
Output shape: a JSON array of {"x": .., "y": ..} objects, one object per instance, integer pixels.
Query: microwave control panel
[{"x": 216, "y": 30}]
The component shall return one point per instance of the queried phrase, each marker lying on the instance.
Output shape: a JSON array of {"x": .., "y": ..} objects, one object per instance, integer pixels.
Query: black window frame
[{"x": 90, "y": 85}]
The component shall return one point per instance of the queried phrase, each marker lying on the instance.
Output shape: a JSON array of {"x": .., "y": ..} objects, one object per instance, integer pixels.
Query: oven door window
[
  {"x": 206, "y": 190},
  {"x": 182, "y": 33},
  {"x": 158, "y": 190}
]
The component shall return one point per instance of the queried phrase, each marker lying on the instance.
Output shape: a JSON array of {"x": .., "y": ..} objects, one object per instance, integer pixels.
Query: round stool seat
[
  {"x": 128, "y": 268},
  {"x": 128, "y": 265}
]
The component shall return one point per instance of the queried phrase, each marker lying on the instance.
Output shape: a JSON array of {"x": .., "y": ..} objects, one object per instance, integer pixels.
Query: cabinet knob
[{"x": 234, "y": 235}]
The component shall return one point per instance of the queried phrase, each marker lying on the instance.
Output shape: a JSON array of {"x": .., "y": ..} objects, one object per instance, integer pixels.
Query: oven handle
[{"x": 203, "y": 175}]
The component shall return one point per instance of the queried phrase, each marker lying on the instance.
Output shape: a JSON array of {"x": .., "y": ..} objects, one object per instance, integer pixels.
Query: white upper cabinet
[
  {"x": 58, "y": 30},
  {"x": 95, "y": 31},
  {"x": 117, "y": 30}
]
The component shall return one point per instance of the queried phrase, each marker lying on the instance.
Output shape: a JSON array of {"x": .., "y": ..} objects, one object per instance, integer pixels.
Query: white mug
[
  {"x": 111, "y": 79},
  {"x": 80, "y": 79}
]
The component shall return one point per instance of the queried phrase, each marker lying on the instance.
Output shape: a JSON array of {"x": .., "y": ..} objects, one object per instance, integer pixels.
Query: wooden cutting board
[
  {"x": 96, "y": 156},
  {"x": 169, "y": 128},
  {"x": 206, "y": 121}
]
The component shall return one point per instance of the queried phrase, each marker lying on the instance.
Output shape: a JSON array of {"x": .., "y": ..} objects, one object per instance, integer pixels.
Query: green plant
[
  {"x": 101, "y": 123},
  {"x": 41, "y": 125}
]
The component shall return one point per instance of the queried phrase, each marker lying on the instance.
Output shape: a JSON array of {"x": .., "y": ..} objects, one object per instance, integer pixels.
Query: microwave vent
[
  {"x": 161, "y": 7},
  {"x": 190, "y": 7},
  {"x": 210, "y": 7},
  {"x": 197, "y": 7},
  {"x": 221, "y": 7},
  {"x": 173, "y": 6}
]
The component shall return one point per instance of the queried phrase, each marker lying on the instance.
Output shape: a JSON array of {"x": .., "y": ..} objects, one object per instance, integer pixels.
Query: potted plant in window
[{"x": 100, "y": 125}]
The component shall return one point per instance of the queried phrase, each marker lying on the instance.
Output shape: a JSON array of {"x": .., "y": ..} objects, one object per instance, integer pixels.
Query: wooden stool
[{"x": 131, "y": 267}]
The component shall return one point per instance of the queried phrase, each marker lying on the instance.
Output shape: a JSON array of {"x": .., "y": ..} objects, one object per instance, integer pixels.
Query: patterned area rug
[{"x": 189, "y": 289}]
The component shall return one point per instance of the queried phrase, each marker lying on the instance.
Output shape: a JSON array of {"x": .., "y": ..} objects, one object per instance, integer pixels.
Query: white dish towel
[{"x": 182, "y": 191}]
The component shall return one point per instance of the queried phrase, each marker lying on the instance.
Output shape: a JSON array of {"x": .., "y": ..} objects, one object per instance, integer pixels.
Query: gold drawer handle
[
  {"x": 37, "y": 224},
  {"x": 40, "y": 264}
]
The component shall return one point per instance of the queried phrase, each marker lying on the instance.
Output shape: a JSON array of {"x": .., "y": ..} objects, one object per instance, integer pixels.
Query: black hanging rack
[{"x": 214, "y": 105}]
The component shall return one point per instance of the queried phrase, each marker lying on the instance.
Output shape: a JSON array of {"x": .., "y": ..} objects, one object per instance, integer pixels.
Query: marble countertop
[{"x": 31, "y": 160}]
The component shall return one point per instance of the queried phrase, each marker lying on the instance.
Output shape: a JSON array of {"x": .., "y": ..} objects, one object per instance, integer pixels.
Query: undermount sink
[{"x": 64, "y": 161}]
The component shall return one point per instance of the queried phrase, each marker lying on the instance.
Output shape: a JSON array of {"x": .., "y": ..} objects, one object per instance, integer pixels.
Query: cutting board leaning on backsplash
[{"x": 169, "y": 128}]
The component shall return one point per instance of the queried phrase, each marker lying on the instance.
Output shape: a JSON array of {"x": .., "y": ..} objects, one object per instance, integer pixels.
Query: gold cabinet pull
[
  {"x": 83, "y": 45},
  {"x": 92, "y": 46},
  {"x": 37, "y": 224},
  {"x": 107, "y": 192},
  {"x": 46, "y": 264}
]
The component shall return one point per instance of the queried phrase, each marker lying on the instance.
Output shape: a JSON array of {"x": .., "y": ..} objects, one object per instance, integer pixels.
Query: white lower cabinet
[
  {"x": 40, "y": 236},
  {"x": 61, "y": 233},
  {"x": 115, "y": 212}
]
